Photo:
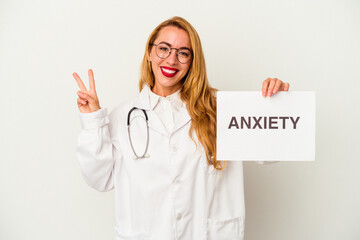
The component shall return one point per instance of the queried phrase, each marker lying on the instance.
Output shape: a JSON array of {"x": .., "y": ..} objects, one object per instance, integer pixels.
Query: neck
[{"x": 165, "y": 91}]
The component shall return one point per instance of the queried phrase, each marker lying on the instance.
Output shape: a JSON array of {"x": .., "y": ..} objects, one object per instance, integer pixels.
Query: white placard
[{"x": 251, "y": 127}]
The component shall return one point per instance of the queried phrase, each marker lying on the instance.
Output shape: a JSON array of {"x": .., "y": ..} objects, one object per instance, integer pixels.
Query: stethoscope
[{"x": 145, "y": 154}]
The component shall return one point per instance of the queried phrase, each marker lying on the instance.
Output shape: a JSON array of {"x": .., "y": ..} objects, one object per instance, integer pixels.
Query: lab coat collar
[
  {"x": 174, "y": 99},
  {"x": 143, "y": 102}
]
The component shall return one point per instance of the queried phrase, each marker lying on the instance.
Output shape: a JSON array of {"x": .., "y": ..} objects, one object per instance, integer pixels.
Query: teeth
[{"x": 168, "y": 71}]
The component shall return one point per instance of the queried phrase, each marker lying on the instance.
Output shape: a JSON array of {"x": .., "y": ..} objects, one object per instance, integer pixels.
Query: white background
[{"x": 313, "y": 44}]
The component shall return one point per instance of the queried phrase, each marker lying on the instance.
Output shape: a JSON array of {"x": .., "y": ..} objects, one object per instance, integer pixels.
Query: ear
[{"x": 149, "y": 55}]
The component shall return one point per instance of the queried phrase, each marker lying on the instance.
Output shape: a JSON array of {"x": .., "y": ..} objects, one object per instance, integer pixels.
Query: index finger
[
  {"x": 79, "y": 82},
  {"x": 91, "y": 80}
]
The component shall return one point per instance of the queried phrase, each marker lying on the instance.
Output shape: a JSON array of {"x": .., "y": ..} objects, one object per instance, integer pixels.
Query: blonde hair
[{"x": 196, "y": 92}]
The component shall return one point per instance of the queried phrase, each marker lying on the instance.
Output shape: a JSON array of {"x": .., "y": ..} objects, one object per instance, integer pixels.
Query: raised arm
[{"x": 95, "y": 150}]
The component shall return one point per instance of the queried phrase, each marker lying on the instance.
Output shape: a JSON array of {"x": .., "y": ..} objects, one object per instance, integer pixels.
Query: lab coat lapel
[
  {"x": 183, "y": 119},
  {"x": 143, "y": 102},
  {"x": 156, "y": 124}
]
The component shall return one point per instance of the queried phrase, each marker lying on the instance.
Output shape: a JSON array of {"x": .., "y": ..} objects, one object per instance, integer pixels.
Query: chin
[{"x": 168, "y": 82}]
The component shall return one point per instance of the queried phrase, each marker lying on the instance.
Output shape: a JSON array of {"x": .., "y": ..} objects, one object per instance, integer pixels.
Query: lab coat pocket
[
  {"x": 119, "y": 235},
  {"x": 230, "y": 229}
]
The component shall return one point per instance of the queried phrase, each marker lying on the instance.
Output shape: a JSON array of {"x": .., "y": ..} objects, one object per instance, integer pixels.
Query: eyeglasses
[{"x": 163, "y": 50}]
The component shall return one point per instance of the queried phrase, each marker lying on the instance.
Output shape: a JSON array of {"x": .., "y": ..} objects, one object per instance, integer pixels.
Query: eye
[
  {"x": 184, "y": 54},
  {"x": 163, "y": 49}
]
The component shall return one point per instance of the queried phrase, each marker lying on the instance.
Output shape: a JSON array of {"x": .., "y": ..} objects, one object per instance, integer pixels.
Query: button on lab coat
[{"x": 172, "y": 194}]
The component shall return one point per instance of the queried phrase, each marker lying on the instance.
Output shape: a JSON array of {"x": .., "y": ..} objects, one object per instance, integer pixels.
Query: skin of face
[{"x": 177, "y": 38}]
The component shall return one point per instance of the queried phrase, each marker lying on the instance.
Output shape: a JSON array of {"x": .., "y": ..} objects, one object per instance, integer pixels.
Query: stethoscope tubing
[{"x": 147, "y": 133}]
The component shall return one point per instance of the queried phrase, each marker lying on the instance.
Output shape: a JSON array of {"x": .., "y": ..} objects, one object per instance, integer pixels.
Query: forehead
[{"x": 177, "y": 37}]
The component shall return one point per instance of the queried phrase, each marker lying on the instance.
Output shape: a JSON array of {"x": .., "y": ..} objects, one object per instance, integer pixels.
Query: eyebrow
[{"x": 179, "y": 48}]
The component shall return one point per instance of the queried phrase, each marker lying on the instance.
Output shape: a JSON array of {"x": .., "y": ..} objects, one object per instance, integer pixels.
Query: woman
[{"x": 175, "y": 188}]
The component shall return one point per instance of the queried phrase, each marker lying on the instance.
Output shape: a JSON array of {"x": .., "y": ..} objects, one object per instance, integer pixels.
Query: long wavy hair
[{"x": 196, "y": 92}]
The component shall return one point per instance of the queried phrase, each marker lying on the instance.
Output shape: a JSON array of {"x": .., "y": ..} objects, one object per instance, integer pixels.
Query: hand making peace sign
[{"x": 87, "y": 101}]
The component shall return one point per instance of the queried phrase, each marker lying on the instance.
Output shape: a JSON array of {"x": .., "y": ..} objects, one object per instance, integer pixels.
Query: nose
[{"x": 172, "y": 58}]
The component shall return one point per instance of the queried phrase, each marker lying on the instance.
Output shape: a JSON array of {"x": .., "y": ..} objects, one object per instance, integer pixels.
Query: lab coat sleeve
[{"x": 95, "y": 150}]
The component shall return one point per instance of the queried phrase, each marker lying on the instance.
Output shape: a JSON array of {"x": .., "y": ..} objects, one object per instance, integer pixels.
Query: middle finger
[
  {"x": 91, "y": 80},
  {"x": 271, "y": 86}
]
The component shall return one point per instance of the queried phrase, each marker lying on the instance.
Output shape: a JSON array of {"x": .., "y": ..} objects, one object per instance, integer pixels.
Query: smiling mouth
[{"x": 167, "y": 72}]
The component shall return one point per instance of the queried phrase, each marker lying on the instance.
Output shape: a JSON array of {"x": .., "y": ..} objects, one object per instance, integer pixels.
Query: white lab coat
[{"x": 173, "y": 194}]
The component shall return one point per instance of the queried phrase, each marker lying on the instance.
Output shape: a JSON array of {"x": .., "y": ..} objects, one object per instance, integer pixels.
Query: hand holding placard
[{"x": 255, "y": 128}]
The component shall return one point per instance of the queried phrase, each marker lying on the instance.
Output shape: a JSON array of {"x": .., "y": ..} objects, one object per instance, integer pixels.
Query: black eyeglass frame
[{"x": 177, "y": 55}]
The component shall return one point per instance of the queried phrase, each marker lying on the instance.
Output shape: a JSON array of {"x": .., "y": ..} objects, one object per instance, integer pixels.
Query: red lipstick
[{"x": 168, "y": 71}]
